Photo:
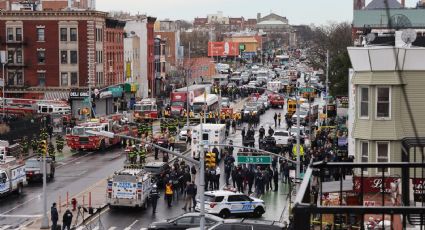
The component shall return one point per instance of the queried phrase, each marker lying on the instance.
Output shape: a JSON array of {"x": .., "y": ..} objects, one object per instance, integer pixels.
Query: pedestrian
[
  {"x": 154, "y": 196},
  {"x": 217, "y": 177},
  {"x": 193, "y": 172},
  {"x": 250, "y": 177},
  {"x": 286, "y": 172},
  {"x": 243, "y": 133},
  {"x": 169, "y": 192},
  {"x": 276, "y": 180},
  {"x": 275, "y": 119},
  {"x": 233, "y": 126},
  {"x": 279, "y": 118},
  {"x": 190, "y": 192},
  {"x": 67, "y": 220},
  {"x": 239, "y": 180},
  {"x": 271, "y": 131},
  {"x": 234, "y": 173},
  {"x": 262, "y": 132},
  {"x": 54, "y": 216}
]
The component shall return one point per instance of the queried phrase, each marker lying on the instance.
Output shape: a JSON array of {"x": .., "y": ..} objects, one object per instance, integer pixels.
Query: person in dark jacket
[
  {"x": 154, "y": 196},
  {"x": 262, "y": 132},
  {"x": 250, "y": 177},
  {"x": 275, "y": 119},
  {"x": 276, "y": 179},
  {"x": 67, "y": 220},
  {"x": 54, "y": 216},
  {"x": 243, "y": 133}
]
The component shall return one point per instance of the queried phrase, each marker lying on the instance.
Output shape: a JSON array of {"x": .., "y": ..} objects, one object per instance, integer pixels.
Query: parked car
[
  {"x": 248, "y": 224},
  {"x": 185, "y": 221},
  {"x": 283, "y": 137},
  {"x": 225, "y": 102},
  {"x": 227, "y": 203},
  {"x": 265, "y": 102}
]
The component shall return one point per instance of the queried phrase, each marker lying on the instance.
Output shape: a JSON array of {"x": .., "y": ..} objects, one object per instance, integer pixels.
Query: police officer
[
  {"x": 262, "y": 132},
  {"x": 59, "y": 143},
  {"x": 154, "y": 196}
]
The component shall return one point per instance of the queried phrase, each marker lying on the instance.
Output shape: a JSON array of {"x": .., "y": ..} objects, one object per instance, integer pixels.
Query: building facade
[
  {"x": 51, "y": 50},
  {"x": 49, "y": 5},
  {"x": 114, "y": 50},
  {"x": 387, "y": 91}
]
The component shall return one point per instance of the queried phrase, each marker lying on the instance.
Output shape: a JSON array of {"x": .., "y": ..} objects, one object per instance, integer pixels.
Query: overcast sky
[{"x": 297, "y": 11}]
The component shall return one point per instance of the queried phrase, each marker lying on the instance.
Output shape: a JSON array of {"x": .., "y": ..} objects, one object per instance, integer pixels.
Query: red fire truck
[
  {"x": 178, "y": 98},
  {"x": 30, "y": 106},
  {"x": 80, "y": 139},
  {"x": 146, "y": 109},
  {"x": 276, "y": 100}
]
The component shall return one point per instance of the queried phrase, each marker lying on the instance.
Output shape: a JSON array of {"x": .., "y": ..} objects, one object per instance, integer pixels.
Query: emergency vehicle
[
  {"x": 276, "y": 100},
  {"x": 226, "y": 203},
  {"x": 146, "y": 109},
  {"x": 205, "y": 104},
  {"x": 12, "y": 175},
  {"x": 80, "y": 139},
  {"x": 211, "y": 134},
  {"x": 179, "y": 98},
  {"x": 129, "y": 187},
  {"x": 31, "y": 106}
]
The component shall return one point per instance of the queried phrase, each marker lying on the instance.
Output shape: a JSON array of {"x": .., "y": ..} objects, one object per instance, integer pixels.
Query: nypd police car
[{"x": 226, "y": 203}]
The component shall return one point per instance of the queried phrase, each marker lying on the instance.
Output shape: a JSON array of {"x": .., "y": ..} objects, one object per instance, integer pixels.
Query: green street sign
[
  {"x": 254, "y": 159},
  {"x": 306, "y": 90}
]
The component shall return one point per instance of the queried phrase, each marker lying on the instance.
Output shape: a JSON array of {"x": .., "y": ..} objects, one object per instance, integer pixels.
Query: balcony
[
  {"x": 16, "y": 65},
  {"x": 355, "y": 201},
  {"x": 15, "y": 42}
]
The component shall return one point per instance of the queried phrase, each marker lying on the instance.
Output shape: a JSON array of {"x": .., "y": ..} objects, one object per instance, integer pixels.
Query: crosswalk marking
[{"x": 5, "y": 227}]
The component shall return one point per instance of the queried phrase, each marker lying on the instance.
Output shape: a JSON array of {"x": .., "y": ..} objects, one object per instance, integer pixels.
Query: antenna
[{"x": 408, "y": 36}]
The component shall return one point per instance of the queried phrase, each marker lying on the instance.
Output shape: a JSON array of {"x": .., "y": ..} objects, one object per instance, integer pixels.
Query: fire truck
[
  {"x": 129, "y": 187},
  {"x": 80, "y": 139},
  {"x": 30, "y": 106},
  {"x": 146, "y": 109},
  {"x": 178, "y": 98},
  {"x": 276, "y": 100}
]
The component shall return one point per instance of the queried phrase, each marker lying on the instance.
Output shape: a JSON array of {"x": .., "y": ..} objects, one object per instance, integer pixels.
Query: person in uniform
[
  {"x": 142, "y": 155},
  {"x": 154, "y": 196},
  {"x": 59, "y": 143},
  {"x": 169, "y": 193}
]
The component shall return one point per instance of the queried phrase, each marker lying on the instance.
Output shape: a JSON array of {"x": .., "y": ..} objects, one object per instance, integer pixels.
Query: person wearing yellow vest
[{"x": 169, "y": 192}]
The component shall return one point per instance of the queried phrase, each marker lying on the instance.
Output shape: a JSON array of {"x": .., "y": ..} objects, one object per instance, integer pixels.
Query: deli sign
[{"x": 373, "y": 184}]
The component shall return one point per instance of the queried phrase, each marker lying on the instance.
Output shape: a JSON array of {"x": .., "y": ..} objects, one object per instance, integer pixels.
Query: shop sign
[
  {"x": 418, "y": 189},
  {"x": 128, "y": 70},
  {"x": 106, "y": 94},
  {"x": 373, "y": 184},
  {"x": 78, "y": 94},
  {"x": 116, "y": 91}
]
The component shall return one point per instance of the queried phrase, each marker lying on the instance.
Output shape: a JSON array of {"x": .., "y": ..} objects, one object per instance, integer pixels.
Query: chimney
[
  {"x": 258, "y": 17},
  {"x": 403, "y": 3}
]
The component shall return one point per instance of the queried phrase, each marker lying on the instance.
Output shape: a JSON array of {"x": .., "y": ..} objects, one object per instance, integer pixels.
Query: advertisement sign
[
  {"x": 418, "y": 189},
  {"x": 373, "y": 184},
  {"x": 222, "y": 49},
  {"x": 128, "y": 70}
]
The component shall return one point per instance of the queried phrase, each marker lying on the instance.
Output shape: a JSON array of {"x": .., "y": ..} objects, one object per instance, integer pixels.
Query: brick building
[
  {"x": 52, "y": 5},
  {"x": 51, "y": 53}
]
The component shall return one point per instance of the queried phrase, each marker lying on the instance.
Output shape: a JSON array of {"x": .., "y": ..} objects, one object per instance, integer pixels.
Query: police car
[{"x": 226, "y": 203}]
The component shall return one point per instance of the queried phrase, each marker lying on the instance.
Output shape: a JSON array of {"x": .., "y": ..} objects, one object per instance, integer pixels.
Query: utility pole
[
  {"x": 187, "y": 92},
  {"x": 202, "y": 169},
  {"x": 45, "y": 219},
  {"x": 298, "y": 168},
  {"x": 327, "y": 87},
  {"x": 3, "y": 63}
]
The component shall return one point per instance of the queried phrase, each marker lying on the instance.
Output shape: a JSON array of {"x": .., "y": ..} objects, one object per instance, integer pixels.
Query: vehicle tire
[
  {"x": 258, "y": 212},
  {"x": 224, "y": 214},
  {"x": 20, "y": 189}
]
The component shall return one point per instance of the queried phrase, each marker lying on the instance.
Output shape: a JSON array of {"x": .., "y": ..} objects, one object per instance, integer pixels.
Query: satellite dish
[
  {"x": 408, "y": 36},
  {"x": 370, "y": 37}
]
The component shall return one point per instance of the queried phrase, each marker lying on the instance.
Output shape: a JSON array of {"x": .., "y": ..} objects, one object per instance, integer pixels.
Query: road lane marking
[
  {"x": 131, "y": 225},
  {"x": 5, "y": 227},
  {"x": 112, "y": 228}
]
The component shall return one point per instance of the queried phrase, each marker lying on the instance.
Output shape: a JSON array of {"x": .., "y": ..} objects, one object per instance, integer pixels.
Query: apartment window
[
  {"x": 41, "y": 57},
  {"x": 64, "y": 57},
  {"x": 41, "y": 79},
  {"x": 10, "y": 56},
  {"x": 73, "y": 34},
  {"x": 74, "y": 78},
  {"x": 18, "y": 34},
  {"x": 19, "y": 56},
  {"x": 40, "y": 35},
  {"x": 64, "y": 34},
  {"x": 383, "y": 102},
  {"x": 382, "y": 154},
  {"x": 364, "y": 145},
  {"x": 10, "y": 34},
  {"x": 364, "y": 102},
  {"x": 64, "y": 79},
  {"x": 11, "y": 78},
  {"x": 74, "y": 57}
]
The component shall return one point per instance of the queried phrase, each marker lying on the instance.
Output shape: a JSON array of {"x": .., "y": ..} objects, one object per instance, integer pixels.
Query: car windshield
[
  {"x": 177, "y": 103},
  {"x": 224, "y": 100},
  {"x": 197, "y": 107},
  {"x": 80, "y": 131},
  {"x": 32, "y": 164},
  {"x": 210, "y": 198}
]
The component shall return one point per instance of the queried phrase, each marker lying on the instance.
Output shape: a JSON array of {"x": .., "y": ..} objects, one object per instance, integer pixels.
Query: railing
[{"x": 351, "y": 200}]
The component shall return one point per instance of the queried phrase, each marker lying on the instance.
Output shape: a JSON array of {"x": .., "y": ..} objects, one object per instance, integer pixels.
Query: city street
[{"x": 16, "y": 210}]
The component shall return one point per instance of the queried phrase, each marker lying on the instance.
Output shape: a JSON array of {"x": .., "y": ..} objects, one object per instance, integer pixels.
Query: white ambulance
[{"x": 211, "y": 134}]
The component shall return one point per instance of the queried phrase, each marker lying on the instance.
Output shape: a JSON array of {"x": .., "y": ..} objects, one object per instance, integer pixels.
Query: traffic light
[
  {"x": 210, "y": 160},
  {"x": 43, "y": 147}
]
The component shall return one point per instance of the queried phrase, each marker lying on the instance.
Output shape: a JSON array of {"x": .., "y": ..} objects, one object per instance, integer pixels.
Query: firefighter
[
  {"x": 184, "y": 113},
  {"x": 44, "y": 135},
  {"x": 51, "y": 151},
  {"x": 141, "y": 129},
  {"x": 34, "y": 143},
  {"x": 59, "y": 143},
  {"x": 132, "y": 155},
  {"x": 142, "y": 155},
  {"x": 191, "y": 114},
  {"x": 210, "y": 116},
  {"x": 171, "y": 141},
  {"x": 25, "y": 145}
]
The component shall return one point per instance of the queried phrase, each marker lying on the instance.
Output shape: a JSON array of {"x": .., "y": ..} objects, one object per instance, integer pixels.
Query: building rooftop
[
  {"x": 380, "y": 4},
  {"x": 271, "y": 22}
]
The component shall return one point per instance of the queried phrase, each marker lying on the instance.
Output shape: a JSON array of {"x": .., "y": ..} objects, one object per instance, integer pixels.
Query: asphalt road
[
  {"x": 127, "y": 219},
  {"x": 73, "y": 176}
]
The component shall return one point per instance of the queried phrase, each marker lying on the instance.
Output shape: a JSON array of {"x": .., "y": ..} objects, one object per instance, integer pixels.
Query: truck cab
[{"x": 34, "y": 168}]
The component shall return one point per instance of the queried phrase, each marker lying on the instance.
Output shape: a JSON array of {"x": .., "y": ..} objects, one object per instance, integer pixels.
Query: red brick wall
[
  {"x": 170, "y": 46},
  {"x": 55, "y": 5},
  {"x": 82, "y": 54},
  {"x": 115, "y": 47},
  {"x": 151, "y": 55}
]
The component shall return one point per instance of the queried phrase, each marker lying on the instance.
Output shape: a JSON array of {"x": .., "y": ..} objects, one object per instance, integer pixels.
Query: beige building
[{"x": 384, "y": 82}]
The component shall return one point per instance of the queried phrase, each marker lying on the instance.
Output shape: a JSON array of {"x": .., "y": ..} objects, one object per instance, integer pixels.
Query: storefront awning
[{"x": 56, "y": 95}]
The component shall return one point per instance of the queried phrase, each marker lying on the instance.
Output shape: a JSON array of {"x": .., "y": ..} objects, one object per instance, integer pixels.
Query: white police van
[{"x": 226, "y": 203}]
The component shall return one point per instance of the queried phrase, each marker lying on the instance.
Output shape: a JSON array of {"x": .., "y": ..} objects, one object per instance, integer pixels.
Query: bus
[{"x": 211, "y": 102}]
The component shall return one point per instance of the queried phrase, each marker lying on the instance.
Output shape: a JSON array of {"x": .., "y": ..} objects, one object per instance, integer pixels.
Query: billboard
[{"x": 223, "y": 49}]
